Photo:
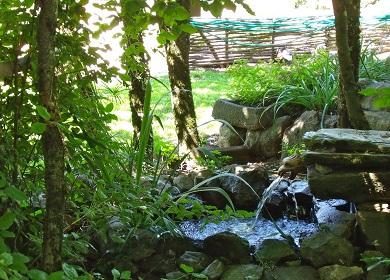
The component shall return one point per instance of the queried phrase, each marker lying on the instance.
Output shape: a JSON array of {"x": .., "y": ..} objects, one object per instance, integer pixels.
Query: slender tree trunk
[
  {"x": 181, "y": 90},
  {"x": 52, "y": 142},
  {"x": 348, "y": 78},
  {"x": 353, "y": 14}
]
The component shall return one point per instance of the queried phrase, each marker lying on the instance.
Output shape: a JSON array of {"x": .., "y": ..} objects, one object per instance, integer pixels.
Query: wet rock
[
  {"x": 174, "y": 245},
  {"x": 242, "y": 116},
  {"x": 339, "y": 272},
  {"x": 303, "y": 200},
  {"x": 140, "y": 246},
  {"x": 379, "y": 271},
  {"x": 229, "y": 137},
  {"x": 158, "y": 265},
  {"x": 267, "y": 143},
  {"x": 325, "y": 248},
  {"x": 214, "y": 270},
  {"x": 349, "y": 140},
  {"x": 228, "y": 245},
  {"x": 197, "y": 260},
  {"x": 210, "y": 197},
  {"x": 243, "y": 272},
  {"x": 292, "y": 273},
  {"x": 375, "y": 229},
  {"x": 276, "y": 251},
  {"x": 340, "y": 223},
  {"x": 242, "y": 195}
]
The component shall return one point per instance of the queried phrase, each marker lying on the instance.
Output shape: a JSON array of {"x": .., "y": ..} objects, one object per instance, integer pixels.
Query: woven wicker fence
[{"x": 218, "y": 43}]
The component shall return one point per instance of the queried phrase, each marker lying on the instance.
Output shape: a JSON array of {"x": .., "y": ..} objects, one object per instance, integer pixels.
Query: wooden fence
[{"x": 218, "y": 43}]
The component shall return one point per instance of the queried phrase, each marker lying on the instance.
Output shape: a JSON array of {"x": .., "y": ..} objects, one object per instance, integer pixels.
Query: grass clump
[{"x": 310, "y": 82}]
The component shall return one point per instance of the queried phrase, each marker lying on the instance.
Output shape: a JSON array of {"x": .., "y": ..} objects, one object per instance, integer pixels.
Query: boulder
[
  {"x": 243, "y": 272},
  {"x": 275, "y": 251},
  {"x": 378, "y": 120},
  {"x": 348, "y": 140},
  {"x": 375, "y": 228},
  {"x": 228, "y": 137},
  {"x": 292, "y": 273},
  {"x": 237, "y": 154},
  {"x": 197, "y": 260},
  {"x": 308, "y": 121},
  {"x": 349, "y": 185},
  {"x": 302, "y": 199},
  {"x": 184, "y": 182},
  {"x": 228, "y": 245},
  {"x": 267, "y": 143},
  {"x": 338, "y": 222},
  {"x": 339, "y": 272},
  {"x": 237, "y": 115},
  {"x": 243, "y": 196},
  {"x": 214, "y": 270},
  {"x": 325, "y": 248}
]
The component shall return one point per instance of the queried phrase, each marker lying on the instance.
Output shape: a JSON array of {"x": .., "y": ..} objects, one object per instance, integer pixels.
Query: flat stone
[
  {"x": 350, "y": 160},
  {"x": 375, "y": 228},
  {"x": 243, "y": 272},
  {"x": 348, "y": 140},
  {"x": 242, "y": 116},
  {"x": 214, "y": 270},
  {"x": 238, "y": 154},
  {"x": 228, "y": 245},
  {"x": 292, "y": 273},
  {"x": 197, "y": 260},
  {"x": 351, "y": 186},
  {"x": 276, "y": 251},
  {"x": 339, "y": 272},
  {"x": 325, "y": 248}
]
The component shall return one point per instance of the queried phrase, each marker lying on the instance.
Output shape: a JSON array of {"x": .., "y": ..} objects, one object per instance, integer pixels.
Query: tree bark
[
  {"x": 181, "y": 90},
  {"x": 348, "y": 80},
  {"x": 52, "y": 142}
]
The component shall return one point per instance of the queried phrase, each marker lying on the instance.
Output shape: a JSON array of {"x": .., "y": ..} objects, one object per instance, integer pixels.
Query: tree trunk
[
  {"x": 52, "y": 142},
  {"x": 348, "y": 78},
  {"x": 181, "y": 90},
  {"x": 353, "y": 14}
]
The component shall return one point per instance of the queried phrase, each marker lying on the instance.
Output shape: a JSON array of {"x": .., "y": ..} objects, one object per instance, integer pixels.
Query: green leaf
[
  {"x": 7, "y": 220},
  {"x": 199, "y": 276},
  {"x": 38, "y": 128},
  {"x": 188, "y": 28},
  {"x": 20, "y": 261},
  {"x": 109, "y": 107},
  {"x": 70, "y": 271},
  {"x": 58, "y": 275},
  {"x": 115, "y": 273},
  {"x": 15, "y": 194},
  {"x": 6, "y": 234},
  {"x": 43, "y": 113},
  {"x": 125, "y": 275},
  {"x": 35, "y": 274},
  {"x": 3, "y": 246},
  {"x": 6, "y": 259},
  {"x": 3, "y": 275},
  {"x": 186, "y": 268}
]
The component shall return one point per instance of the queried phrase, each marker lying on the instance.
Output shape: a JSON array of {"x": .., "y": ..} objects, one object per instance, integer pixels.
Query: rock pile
[{"x": 354, "y": 165}]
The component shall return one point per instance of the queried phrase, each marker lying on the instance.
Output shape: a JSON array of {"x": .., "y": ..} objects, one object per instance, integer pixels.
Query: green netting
[{"x": 279, "y": 25}]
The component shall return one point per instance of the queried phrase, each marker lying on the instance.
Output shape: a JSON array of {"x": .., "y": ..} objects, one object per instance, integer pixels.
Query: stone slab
[
  {"x": 351, "y": 186},
  {"x": 253, "y": 118},
  {"x": 349, "y": 160},
  {"x": 348, "y": 140}
]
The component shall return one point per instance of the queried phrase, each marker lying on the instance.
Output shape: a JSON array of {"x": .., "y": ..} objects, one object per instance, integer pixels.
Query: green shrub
[{"x": 373, "y": 68}]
